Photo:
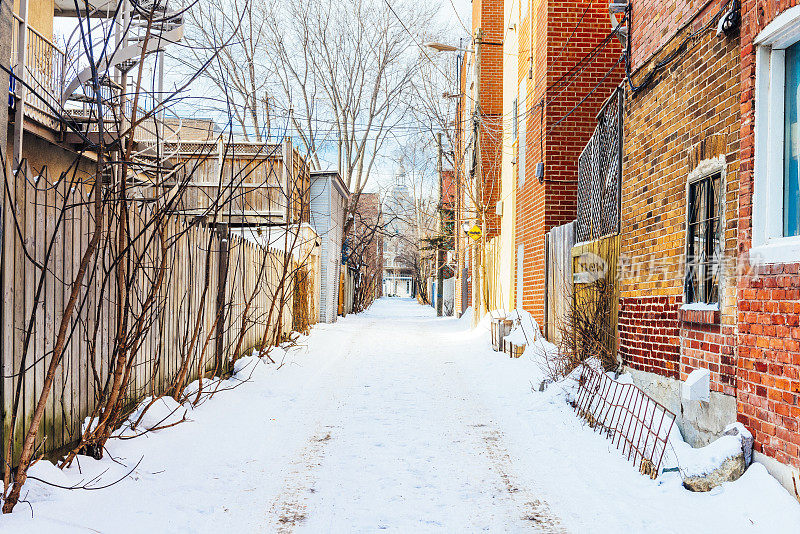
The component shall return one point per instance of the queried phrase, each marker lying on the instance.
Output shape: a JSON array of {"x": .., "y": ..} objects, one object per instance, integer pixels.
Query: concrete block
[{"x": 697, "y": 386}]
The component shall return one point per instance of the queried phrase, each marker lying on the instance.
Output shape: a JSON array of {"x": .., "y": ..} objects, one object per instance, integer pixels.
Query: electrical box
[{"x": 540, "y": 171}]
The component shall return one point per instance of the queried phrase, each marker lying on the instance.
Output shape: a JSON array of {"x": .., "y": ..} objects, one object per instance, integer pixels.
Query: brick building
[
  {"x": 768, "y": 372},
  {"x": 677, "y": 307},
  {"x": 709, "y": 244},
  {"x": 537, "y": 121},
  {"x": 479, "y": 115},
  {"x": 564, "y": 53}
]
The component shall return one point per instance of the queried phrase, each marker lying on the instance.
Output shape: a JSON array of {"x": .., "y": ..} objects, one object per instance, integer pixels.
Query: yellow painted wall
[
  {"x": 593, "y": 260},
  {"x": 505, "y": 244},
  {"x": 40, "y": 15}
]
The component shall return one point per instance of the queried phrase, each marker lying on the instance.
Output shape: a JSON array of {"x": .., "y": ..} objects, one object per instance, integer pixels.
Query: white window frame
[{"x": 768, "y": 242}]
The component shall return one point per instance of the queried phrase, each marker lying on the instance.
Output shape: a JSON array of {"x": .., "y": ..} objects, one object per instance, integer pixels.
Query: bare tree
[
  {"x": 239, "y": 70},
  {"x": 100, "y": 276},
  {"x": 348, "y": 65}
]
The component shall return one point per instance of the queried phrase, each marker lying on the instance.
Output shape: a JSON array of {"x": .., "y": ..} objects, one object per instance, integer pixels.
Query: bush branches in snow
[
  {"x": 95, "y": 290},
  {"x": 586, "y": 329}
]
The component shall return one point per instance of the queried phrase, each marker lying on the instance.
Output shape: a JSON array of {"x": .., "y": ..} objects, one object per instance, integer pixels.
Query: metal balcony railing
[{"x": 44, "y": 74}]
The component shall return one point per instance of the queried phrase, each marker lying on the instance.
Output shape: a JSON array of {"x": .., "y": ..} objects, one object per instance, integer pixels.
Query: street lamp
[{"x": 443, "y": 47}]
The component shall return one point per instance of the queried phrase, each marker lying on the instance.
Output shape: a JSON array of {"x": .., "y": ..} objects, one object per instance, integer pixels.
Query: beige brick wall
[{"x": 689, "y": 113}]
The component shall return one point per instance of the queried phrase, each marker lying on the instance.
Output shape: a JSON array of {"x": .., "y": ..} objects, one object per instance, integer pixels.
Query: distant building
[
  {"x": 368, "y": 248},
  {"x": 398, "y": 279},
  {"x": 329, "y": 196}
]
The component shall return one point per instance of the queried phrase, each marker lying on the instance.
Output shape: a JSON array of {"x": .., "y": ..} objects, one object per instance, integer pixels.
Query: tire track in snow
[
  {"x": 290, "y": 507},
  {"x": 534, "y": 511}
]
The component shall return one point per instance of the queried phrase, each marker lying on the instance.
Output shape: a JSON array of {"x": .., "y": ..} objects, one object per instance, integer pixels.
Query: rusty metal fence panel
[
  {"x": 600, "y": 175},
  {"x": 626, "y": 415}
]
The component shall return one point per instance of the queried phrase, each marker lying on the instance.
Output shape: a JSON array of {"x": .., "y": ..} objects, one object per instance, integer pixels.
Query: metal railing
[
  {"x": 600, "y": 175},
  {"x": 626, "y": 415},
  {"x": 44, "y": 73}
]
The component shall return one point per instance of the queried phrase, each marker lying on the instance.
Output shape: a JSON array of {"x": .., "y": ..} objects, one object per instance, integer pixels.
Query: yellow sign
[{"x": 475, "y": 232}]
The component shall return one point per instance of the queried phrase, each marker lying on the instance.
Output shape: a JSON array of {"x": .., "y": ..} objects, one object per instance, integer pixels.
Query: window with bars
[{"x": 703, "y": 253}]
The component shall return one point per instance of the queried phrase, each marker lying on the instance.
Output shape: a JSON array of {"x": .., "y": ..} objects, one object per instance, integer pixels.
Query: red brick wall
[
  {"x": 488, "y": 16},
  {"x": 769, "y": 296},
  {"x": 648, "y": 332},
  {"x": 541, "y": 206},
  {"x": 710, "y": 346},
  {"x": 448, "y": 189},
  {"x": 654, "y": 22}
]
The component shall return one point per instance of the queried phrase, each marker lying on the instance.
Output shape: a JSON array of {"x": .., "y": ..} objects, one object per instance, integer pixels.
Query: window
[
  {"x": 791, "y": 145},
  {"x": 776, "y": 191},
  {"x": 703, "y": 251}
]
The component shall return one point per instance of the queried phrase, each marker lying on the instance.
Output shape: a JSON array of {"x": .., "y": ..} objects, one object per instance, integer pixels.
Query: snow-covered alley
[{"x": 390, "y": 420}]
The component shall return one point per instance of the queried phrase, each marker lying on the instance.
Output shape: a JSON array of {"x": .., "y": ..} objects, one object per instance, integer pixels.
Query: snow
[
  {"x": 526, "y": 329},
  {"x": 700, "y": 306},
  {"x": 697, "y": 385},
  {"x": 279, "y": 238},
  {"x": 525, "y": 332},
  {"x": 389, "y": 420},
  {"x": 741, "y": 429},
  {"x": 160, "y": 412}
]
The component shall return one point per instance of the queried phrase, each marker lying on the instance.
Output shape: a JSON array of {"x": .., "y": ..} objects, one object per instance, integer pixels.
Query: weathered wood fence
[
  {"x": 558, "y": 259},
  {"x": 46, "y": 231}
]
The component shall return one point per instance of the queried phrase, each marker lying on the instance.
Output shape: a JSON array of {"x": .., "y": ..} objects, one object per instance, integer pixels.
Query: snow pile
[
  {"x": 526, "y": 330},
  {"x": 466, "y": 318},
  {"x": 700, "y": 306},
  {"x": 43, "y": 477},
  {"x": 678, "y": 454},
  {"x": 161, "y": 412},
  {"x": 702, "y": 460}
]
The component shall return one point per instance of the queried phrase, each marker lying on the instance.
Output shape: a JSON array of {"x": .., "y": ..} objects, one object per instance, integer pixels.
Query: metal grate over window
[
  {"x": 702, "y": 241},
  {"x": 600, "y": 175}
]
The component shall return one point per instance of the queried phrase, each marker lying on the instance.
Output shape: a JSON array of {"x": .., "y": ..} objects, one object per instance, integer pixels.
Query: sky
[{"x": 455, "y": 15}]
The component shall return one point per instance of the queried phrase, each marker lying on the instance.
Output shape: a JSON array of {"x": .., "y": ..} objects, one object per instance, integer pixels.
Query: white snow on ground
[{"x": 391, "y": 420}]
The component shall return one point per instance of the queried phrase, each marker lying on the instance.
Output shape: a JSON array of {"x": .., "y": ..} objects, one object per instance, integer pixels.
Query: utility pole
[
  {"x": 477, "y": 180},
  {"x": 440, "y": 247}
]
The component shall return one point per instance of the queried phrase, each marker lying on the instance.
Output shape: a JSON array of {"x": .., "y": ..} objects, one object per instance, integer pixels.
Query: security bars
[
  {"x": 600, "y": 175},
  {"x": 702, "y": 242}
]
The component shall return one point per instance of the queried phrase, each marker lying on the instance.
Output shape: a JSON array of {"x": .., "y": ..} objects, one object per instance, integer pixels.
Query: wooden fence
[
  {"x": 558, "y": 259},
  {"x": 596, "y": 262},
  {"x": 46, "y": 231}
]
